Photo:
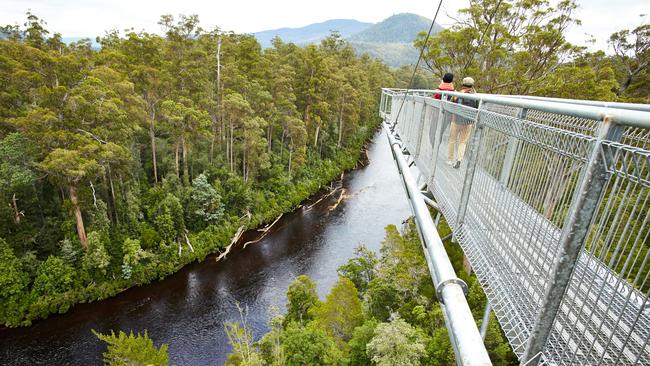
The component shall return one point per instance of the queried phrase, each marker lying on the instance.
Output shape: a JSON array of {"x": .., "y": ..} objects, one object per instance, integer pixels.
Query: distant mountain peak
[
  {"x": 312, "y": 32},
  {"x": 390, "y": 40},
  {"x": 398, "y": 28}
]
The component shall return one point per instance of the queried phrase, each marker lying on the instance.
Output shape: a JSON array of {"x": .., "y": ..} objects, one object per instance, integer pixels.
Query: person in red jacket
[{"x": 447, "y": 85}]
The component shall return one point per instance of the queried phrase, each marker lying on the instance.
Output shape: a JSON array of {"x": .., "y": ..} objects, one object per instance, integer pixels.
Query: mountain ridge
[
  {"x": 390, "y": 40},
  {"x": 312, "y": 32}
]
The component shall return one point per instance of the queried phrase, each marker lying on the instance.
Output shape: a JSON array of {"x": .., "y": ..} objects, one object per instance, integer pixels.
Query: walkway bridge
[{"x": 551, "y": 207}]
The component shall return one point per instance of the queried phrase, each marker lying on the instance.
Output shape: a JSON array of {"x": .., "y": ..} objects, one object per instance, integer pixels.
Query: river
[{"x": 188, "y": 309}]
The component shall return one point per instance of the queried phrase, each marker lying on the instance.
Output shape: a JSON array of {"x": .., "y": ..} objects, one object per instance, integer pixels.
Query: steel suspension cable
[
  {"x": 480, "y": 40},
  {"x": 415, "y": 69}
]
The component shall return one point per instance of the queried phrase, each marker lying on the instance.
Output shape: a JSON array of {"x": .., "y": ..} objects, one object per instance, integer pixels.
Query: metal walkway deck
[{"x": 515, "y": 204}]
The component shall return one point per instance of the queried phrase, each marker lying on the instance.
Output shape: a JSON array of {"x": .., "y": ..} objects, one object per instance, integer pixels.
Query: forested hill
[
  {"x": 399, "y": 28},
  {"x": 390, "y": 40},
  {"x": 312, "y": 33},
  {"x": 120, "y": 165}
]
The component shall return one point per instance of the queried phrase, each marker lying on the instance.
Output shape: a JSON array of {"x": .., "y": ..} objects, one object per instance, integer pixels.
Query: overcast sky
[{"x": 90, "y": 18}]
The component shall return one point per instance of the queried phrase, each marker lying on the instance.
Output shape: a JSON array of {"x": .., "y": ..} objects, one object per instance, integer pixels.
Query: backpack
[{"x": 468, "y": 102}]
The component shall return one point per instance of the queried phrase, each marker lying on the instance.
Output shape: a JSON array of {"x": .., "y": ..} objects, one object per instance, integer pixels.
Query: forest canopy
[{"x": 120, "y": 165}]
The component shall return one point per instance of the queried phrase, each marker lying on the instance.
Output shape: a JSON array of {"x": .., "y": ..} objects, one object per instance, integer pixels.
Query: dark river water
[{"x": 188, "y": 310}]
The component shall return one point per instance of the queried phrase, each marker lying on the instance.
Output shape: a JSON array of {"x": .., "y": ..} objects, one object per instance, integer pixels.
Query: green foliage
[
  {"x": 209, "y": 208},
  {"x": 88, "y": 135},
  {"x": 360, "y": 269},
  {"x": 132, "y": 349},
  {"x": 632, "y": 50},
  {"x": 396, "y": 343},
  {"x": 15, "y": 158},
  {"x": 54, "y": 276},
  {"x": 71, "y": 252},
  {"x": 301, "y": 298},
  {"x": 271, "y": 344},
  {"x": 96, "y": 259},
  {"x": 169, "y": 218},
  {"x": 341, "y": 312},
  {"x": 241, "y": 339},
  {"x": 307, "y": 346},
  {"x": 400, "y": 326},
  {"x": 361, "y": 336},
  {"x": 13, "y": 280},
  {"x": 133, "y": 254}
]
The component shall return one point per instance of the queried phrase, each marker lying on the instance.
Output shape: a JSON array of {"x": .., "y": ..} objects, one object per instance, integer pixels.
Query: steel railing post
[
  {"x": 423, "y": 113},
  {"x": 486, "y": 319},
  {"x": 471, "y": 167},
  {"x": 395, "y": 100},
  {"x": 574, "y": 234},
  {"x": 440, "y": 129},
  {"x": 513, "y": 143}
]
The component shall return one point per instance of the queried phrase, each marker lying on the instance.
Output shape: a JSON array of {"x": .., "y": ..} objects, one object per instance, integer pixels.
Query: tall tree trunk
[
  {"x": 226, "y": 139},
  {"x": 214, "y": 138},
  {"x": 316, "y": 136},
  {"x": 112, "y": 214},
  {"x": 338, "y": 144},
  {"x": 232, "y": 147},
  {"x": 626, "y": 83},
  {"x": 17, "y": 213},
  {"x": 282, "y": 142},
  {"x": 269, "y": 137},
  {"x": 110, "y": 181},
  {"x": 152, "y": 136},
  {"x": 176, "y": 156},
  {"x": 290, "y": 156},
  {"x": 186, "y": 169},
  {"x": 244, "y": 173},
  {"x": 306, "y": 118},
  {"x": 215, "y": 120},
  {"x": 81, "y": 229}
]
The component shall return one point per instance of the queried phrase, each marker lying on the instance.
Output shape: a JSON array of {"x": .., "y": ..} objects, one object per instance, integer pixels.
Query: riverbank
[
  {"x": 188, "y": 309},
  {"x": 213, "y": 239}
]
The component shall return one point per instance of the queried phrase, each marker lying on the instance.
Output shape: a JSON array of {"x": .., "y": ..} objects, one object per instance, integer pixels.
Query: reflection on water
[{"x": 187, "y": 310}]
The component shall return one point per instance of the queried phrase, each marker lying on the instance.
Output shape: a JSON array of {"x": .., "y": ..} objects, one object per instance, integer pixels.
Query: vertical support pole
[
  {"x": 440, "y": 129},
  {"x": 574, "y": 234},
  {"x": 424, "y": 111},
  {"x": 486, "y": 319},
  {"x": 513, "y": 143},
  {"x": 412, "y": 120},
  {"x": 393, "y": 116},
  {"x": 471, "y": 167},
  {"x": 382, "y": 102}
]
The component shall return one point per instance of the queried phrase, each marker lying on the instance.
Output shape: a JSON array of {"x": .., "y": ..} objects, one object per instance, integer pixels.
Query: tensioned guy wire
[{"x": 415, "y": 69}]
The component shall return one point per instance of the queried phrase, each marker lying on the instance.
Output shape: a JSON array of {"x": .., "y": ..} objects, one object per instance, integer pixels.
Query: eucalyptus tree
[
  {"x": 632, "y": 49},
  {"x": 140, "y": 56},
  {"x": 522, "y": 43}
]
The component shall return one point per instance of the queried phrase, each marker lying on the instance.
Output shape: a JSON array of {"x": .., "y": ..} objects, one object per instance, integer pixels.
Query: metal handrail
[
  {"x": 596, "y": 111},
  {"x": 595, "y": 103},
  {"x": 551, "y": 207}
]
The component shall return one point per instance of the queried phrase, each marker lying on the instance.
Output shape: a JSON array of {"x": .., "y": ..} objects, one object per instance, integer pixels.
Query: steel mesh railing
[{"x": 513, "y": 202}]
